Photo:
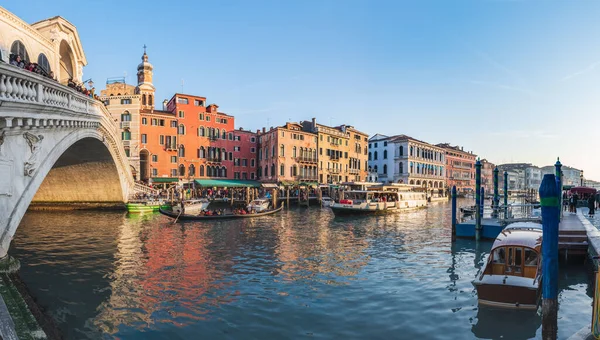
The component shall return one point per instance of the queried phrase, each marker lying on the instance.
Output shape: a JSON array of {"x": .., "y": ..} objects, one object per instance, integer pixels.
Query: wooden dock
[{"x": 572, "y": 236}]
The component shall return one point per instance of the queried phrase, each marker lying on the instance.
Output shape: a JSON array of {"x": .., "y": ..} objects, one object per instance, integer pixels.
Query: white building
[
  {"x": 533, "y": 177},
  {"x": 571, "y": 176},
  {"x": 403, "y": 159}
]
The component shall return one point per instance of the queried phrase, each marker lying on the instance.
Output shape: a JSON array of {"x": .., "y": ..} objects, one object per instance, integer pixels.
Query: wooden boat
[
  {"x": 259, "y": 205},
  {"x": 187, "y": 217},
  {"x": 379, "y": 200},
  {"x": 145, "y": 206},
  {"x": 326, "y": 201},
  {"x": 513, "y": 272},
  {"x": 468, "y": 211}
]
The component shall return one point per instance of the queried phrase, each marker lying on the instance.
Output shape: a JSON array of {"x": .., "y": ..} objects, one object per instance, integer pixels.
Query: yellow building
[
  {"x": 124, "y": 102},
  {"x": 342, "y": 152}
]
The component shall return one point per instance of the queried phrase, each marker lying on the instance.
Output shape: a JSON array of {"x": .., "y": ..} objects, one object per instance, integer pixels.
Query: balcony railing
[
  {"x": 125, "y": 125},
  {"x": 306, "y": 160},
  {"x": 398, "y": 156},
  {"x": 306, "y": 178},
  {"x": 334, "y": 158},
  {"x": 334, "y": 171},
  {"x": 126, "y": 143},
  {"x": 213, "y": 159},
  {"x": 354, "y": 171}
]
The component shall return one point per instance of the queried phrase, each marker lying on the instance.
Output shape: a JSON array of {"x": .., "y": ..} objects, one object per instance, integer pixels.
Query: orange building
[{"x": 287, "y": 154}]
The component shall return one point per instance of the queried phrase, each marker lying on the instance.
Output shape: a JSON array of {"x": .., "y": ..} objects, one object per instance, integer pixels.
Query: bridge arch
[{"x": 81, "y": 167}]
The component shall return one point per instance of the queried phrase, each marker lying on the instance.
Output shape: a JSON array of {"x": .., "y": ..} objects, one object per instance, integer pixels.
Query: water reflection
[{"x": 302, "y": 272}]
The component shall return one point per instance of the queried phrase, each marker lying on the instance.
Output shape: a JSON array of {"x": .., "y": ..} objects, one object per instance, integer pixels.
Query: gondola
[{"x": 184, "y": 217}]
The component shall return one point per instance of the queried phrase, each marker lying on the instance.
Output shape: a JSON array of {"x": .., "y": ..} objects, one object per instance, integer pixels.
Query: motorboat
[
  {"x": 259, "y": 205},
  {"x": 513, "y": 273},
  {"x": 468, "y": 211},
  {"x": 378, "y": 200},
  {"x": 139, "y": 207},
  {"x": 326, "y": 201},
  {"x": 194, "y": 206}
]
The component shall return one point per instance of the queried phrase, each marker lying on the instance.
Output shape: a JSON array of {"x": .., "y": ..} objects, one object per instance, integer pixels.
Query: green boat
[{"x": 145, "y": 207}]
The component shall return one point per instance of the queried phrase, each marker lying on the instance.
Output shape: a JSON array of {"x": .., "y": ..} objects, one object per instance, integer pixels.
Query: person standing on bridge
[{"x": 592, "y": 204}]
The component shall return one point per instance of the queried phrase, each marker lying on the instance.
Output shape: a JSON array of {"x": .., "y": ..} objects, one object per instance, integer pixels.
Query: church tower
[{"x": 145, "y": 87}]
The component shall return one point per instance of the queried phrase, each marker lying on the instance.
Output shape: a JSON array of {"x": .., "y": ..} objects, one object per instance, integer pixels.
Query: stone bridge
[{"x": 56, "y": 145}]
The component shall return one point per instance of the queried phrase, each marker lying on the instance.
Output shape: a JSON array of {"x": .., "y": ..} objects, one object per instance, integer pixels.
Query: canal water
[{"x": 300, "y": 274}]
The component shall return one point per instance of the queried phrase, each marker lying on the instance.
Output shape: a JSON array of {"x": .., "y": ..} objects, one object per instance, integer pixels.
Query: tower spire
[{"x": 144, "y": 48}]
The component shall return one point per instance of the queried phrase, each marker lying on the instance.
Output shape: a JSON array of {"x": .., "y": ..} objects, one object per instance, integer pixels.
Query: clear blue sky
[{"x": 514, "y": 81}]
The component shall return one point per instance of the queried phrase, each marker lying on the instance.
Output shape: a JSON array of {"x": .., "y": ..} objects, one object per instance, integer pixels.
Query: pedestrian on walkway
[{"x": 592, "y": 204}]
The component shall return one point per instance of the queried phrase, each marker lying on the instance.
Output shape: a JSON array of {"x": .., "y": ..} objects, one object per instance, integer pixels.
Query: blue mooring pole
[
  {"x": 549, "y": 201},
  {"x": 558, "y": 175},
  {"x": 496, "y": 196},
  {"x": 482, "y": 201},
  {"x": 505, "y": 195},
  {"x": 478, "y": 200},
  {"x": 454, "y": 213}
]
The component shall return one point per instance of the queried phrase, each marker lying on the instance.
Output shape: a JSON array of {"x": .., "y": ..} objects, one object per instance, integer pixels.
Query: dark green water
[{"x": 299, "y": 274}]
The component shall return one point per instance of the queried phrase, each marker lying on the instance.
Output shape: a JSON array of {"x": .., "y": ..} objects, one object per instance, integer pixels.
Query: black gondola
[{"x": 184, "y": 217}]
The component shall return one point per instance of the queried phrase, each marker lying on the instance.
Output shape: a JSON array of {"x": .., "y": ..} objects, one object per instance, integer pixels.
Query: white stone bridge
[{"x": 56, "y": 145}]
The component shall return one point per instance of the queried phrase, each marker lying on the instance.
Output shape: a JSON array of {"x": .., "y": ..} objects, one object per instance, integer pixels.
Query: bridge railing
[{"x": 22, "y": 86}]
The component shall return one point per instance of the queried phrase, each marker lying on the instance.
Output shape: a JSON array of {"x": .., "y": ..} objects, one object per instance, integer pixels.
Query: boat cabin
[{"x": 516, "y": 252}]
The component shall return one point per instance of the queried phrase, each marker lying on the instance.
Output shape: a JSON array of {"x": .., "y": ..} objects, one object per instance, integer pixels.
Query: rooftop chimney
[
  {"x": 264, "y": 129},
  {"x": 257, "y": 131},
  {"x": 314, "y": 122},
  {"x": 165, "y": 105}
]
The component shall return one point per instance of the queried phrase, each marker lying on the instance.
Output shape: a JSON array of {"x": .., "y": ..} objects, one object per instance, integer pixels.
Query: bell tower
[{"x": 145, "y": 87}]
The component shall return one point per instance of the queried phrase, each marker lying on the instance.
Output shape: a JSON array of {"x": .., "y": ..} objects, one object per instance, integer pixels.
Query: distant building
[
  {"x": 287, "y": 154},
  {"x": 403, "y": 159},
  {"x": 342, "y": 152},
  {"x": 571, "y": 176},
  {"x": 460, "y": 167},
  {"x": 487, "y": 174}
]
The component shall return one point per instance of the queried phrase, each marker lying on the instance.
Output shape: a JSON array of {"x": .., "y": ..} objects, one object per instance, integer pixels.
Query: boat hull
[
  {"x": 186, "y": 217},
  {"x": 140, "y": 208},
  {"x": 343, "y": 210},
  {"x": 508, "y": 296}
]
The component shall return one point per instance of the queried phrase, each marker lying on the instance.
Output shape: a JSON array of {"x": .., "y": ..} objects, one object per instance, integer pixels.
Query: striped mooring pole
[
  {"x": 478, "y": 200},
  {"x": 482, "y": 201},
  {"x": 549, "y": 201},
  {"x": 496, "y": 195}
]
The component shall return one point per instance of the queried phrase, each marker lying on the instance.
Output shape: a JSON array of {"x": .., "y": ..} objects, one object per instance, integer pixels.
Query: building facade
[
  {"x": 571, "y": 176},
  {"x": 403, "y": 159},
  {"x": 460, "y": 168},
  {"x": 342, "y": 152},
  {"x": 487, "y": 174},
  {"x": 287, "y": 154}
]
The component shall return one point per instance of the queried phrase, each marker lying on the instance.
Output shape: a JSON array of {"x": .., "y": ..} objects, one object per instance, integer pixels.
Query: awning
[
  {"x": 582, "y": 190},
  {"x": 165, "y": 180},
  {"x": 269, "y": 185},
  {"x": 222, "y": 183}
]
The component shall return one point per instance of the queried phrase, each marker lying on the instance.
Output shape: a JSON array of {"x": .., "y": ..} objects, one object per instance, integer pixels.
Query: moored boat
[
  {"x": 189, "y": 217},
  {"x": 513, "y": 274},
  {"x": 192, "y": 207},
  {"x": 139, "y": 207},
  {"x": 259, "y": 205},
  {"x": 379, "y": 200}
]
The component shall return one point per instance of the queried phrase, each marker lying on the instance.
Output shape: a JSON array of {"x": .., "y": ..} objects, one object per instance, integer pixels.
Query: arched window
[
  {"x": 411, "y": 150},
  {"x": 385, "y": 169},
  {"x": 282, "y": 169},
  {"x": 181, "y": 170},
  {"x": 192, "y": 170},
  {"x": 281, "y": 151},
  {"x": 224, "y": 134},
  {"x": 401, "y": 150},
  {"x": 272, "y": 170},
  {"x": 384, "y": 154},
  {"x": 231, "y": 136},
  {"x": 144, "y": 99},
  {"x": 44, "y": 63},
  {"x": 266, "y": 170},
  {"x": 150, "y": 99},
  {"x": 401, "y": 168},
  {"x": 375, "y": 155},
  {"x": 125, "y": 116},
  {"x": 375, "y": 168},
  {"x": 224, "y": 172},
  {"x": 17, "y": 48},
  {"x": 259, "y": 172},
  {"x": 294, "y": 152},
  {"x": 201, "y": 152},
  {"x": 412, "y": 169},
  {"x": 217, "y": 133},
  {"x": 201, "y": 171},
  {"x": 126, "y": 135},
  {"x": 181, "y": 151},
  {"x": 209, "y": 171},
  {"x": 301, "y": 152},
  {"x": 181, "y": 130},
  {"x": 201, "y": 132}
]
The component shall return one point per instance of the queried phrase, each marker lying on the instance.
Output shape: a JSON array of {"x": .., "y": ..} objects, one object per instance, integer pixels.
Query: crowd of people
[
  {"x": 571, "y": 201},
  {"x": 18, "y": 61}
]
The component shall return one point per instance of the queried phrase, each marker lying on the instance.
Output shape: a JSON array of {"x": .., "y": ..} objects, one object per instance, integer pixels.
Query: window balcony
[
  {"x": 213, "y": 159},
  {"x": 354, "y": 171},
  {"x": 306, "y": 178},
  {"x": 334, "y": 158},
  {"x": 125, "y": 125},
  {"x": 126, "y": 143},
  {"x": 306, "y": 160},
  {"x": 334, "y": 171},
  {"x": 398, "y": 156}
]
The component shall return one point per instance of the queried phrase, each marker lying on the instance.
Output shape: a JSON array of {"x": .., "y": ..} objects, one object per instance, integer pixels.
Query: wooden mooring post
[
  {"x": 505, "y": 195},
  {"x": 549, "y": 201},
  {"x": 496, "y": 195}
]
